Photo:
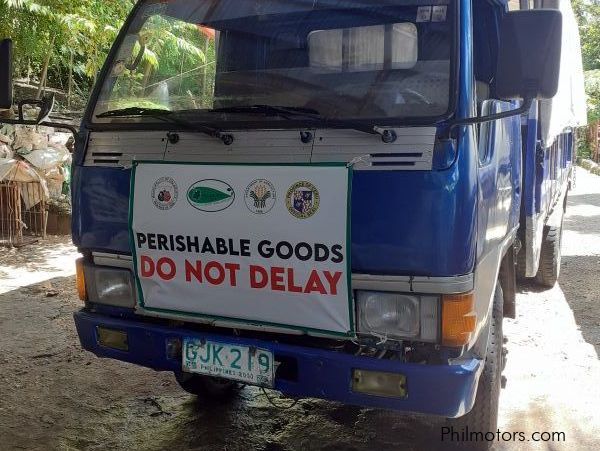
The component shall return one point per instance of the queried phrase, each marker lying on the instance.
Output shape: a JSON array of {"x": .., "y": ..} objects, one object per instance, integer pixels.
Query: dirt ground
[{"x": 55, "y": 396}]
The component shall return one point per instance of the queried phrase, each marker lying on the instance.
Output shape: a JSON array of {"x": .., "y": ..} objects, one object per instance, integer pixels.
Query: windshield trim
[
  {"x": 90, "y": 122},
  {"x": 108, "y": 63}
]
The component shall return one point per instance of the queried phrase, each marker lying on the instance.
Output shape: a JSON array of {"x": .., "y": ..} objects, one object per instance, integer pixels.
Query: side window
[
  {"x": 363, "y": 48},
  {"x": 495, "y": 136}
]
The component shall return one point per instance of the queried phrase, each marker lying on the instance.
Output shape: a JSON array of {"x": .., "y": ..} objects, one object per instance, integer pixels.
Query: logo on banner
[
  {"x": 165, "y": 193},
  {"x": 302, "y": 200},
  {"x": 211, "y": 195},
  {"x": 260, "y": 196}
]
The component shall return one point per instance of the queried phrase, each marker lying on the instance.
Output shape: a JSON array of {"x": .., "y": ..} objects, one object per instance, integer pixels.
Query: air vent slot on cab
[
  {"x": 106, "y": 158},
  {"x": 119, "y": 149},
  {"x": 412, "y": 151}
]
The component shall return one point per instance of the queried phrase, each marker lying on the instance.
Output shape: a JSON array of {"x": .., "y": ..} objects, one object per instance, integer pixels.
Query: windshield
[{"x": 340, "y": 59}]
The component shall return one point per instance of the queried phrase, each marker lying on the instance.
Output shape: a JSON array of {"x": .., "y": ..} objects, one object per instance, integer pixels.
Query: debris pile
[{"x": 37, "y": 154}]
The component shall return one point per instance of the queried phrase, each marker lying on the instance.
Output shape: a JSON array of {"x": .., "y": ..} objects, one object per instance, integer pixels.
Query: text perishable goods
[{"x": 317, "y": 252}]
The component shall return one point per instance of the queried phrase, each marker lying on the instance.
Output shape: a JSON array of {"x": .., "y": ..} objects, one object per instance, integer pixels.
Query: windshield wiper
[
  {"x": 132, "y": 112},
  {"x": 167, "y": 116},
  {"x": 387, "y": 135}
]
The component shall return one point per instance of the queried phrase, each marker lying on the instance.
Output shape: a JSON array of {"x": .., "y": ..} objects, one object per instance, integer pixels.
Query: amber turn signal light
[
  {"x": 459, "y": 319},
  {"x": 80, "y": 280}
]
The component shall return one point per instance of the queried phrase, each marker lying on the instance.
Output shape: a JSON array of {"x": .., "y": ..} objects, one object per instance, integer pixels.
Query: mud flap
[{"x": 508, "y": 282}]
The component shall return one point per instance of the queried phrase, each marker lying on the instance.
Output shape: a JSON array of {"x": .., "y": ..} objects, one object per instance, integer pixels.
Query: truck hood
[{"x": 416, "y": 223}]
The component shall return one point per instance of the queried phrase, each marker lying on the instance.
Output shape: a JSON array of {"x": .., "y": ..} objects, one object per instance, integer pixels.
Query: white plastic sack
[
  {"x": 58, "y": 140},
  {"x": 47, "y": 158},
  {"x": 5, "y": 139},
  {"x": 5, "y": 151},
  {"x": 28, "y": 139},
  {"x": 55, "y": 178},
  {"x": 7, "y": 130}
]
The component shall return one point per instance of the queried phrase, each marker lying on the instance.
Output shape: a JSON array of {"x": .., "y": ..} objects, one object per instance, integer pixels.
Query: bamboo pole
[{"x": 45, "y": 67}]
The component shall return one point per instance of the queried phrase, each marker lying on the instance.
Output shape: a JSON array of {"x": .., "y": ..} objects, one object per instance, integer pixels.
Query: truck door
[
  {"x": 499, "y": 147},
  {"x": 499, "y": 176}
]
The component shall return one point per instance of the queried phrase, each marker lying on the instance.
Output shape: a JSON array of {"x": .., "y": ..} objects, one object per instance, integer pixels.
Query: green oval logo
[{"x": 211, "y": 195}]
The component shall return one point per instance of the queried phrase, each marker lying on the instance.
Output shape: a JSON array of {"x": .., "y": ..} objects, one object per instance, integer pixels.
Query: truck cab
[{"x": 333, "y": 199}]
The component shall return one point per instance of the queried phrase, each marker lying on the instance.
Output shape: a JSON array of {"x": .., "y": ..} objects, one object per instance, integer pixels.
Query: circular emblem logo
[
  {"x": 211, "y": 195},
  {"x": 165, "y": 193},
  {"x": 260, "y": 196},
  {"x": 302, "y": 200}
]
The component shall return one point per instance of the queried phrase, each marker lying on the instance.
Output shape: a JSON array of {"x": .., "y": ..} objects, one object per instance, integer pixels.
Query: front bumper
[{"x": 446, "y": 390}]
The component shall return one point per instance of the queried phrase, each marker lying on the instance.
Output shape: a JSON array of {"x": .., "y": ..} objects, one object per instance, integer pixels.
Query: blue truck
[{"x": 330, "y": 198}]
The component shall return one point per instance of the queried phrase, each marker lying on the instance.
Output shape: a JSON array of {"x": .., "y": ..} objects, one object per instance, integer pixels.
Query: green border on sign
[{"x": 350, "y": 333}]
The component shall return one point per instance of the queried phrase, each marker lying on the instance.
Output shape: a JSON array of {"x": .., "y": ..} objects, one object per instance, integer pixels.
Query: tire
[
  {"x": 208, "y": 388},
  {"x": 550, "y": 257},
  {"x": 483, "y": 417}
]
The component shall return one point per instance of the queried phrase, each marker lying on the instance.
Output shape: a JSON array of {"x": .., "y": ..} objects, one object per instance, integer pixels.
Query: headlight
[
  {"x": 396, "y": 315},
  {"x": 109, "y": 286}
]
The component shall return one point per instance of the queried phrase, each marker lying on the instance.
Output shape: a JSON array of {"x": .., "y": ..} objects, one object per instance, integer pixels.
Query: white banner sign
[{"x": 249, "y": 244}]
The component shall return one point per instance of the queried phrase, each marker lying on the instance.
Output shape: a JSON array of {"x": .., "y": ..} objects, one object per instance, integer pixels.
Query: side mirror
[
  {"x": 529, "y": 55},
  {"x": 6, "y": 85},
  {"x": 46, "y": 108},
  {"x": 6, "y": 96}
]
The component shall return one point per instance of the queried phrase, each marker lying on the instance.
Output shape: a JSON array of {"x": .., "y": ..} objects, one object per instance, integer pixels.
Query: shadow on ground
[
  {"x": 592, "y": 199},
  {"x": 580, "y": 272},
  {"x": 251, "y": 423},
  {"x": 37, "y": 257},
  {"x": 581, "y": 289},
  {"x": 54, "y": 395},
  {"x": 526, "y": 434}
]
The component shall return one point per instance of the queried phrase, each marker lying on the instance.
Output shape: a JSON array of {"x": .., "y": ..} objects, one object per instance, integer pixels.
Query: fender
[
  {"x": 487, "y": 274},
  {"x": 556, "y": 217}
]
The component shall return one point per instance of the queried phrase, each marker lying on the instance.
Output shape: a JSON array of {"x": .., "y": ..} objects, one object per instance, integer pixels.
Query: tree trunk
[
  {"x": 45, "y": 70},
  {"x": 205, "y": 90},
  {"x": 146, "y": 79},
  {"x": 70, "y": 86}
]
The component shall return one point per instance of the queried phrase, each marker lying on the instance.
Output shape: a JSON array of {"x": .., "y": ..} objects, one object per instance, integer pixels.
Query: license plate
[{"x": 240, "y": 363}]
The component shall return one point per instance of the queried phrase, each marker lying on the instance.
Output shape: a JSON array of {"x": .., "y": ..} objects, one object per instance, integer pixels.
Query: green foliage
[
  {"x": 584, "y": 150},
  {"x": 74, "y": 37},
  {"x": 588, "y": 17},
  {"x": 176, "y": 70},
  {"x": 592, "y": 89}
]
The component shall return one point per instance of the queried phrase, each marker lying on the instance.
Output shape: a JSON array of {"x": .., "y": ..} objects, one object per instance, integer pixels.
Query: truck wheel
[
  {"x": 483, "y": 418},
  {"x": 550, "y": 257},
  {"x": 207, "y": 388}
]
